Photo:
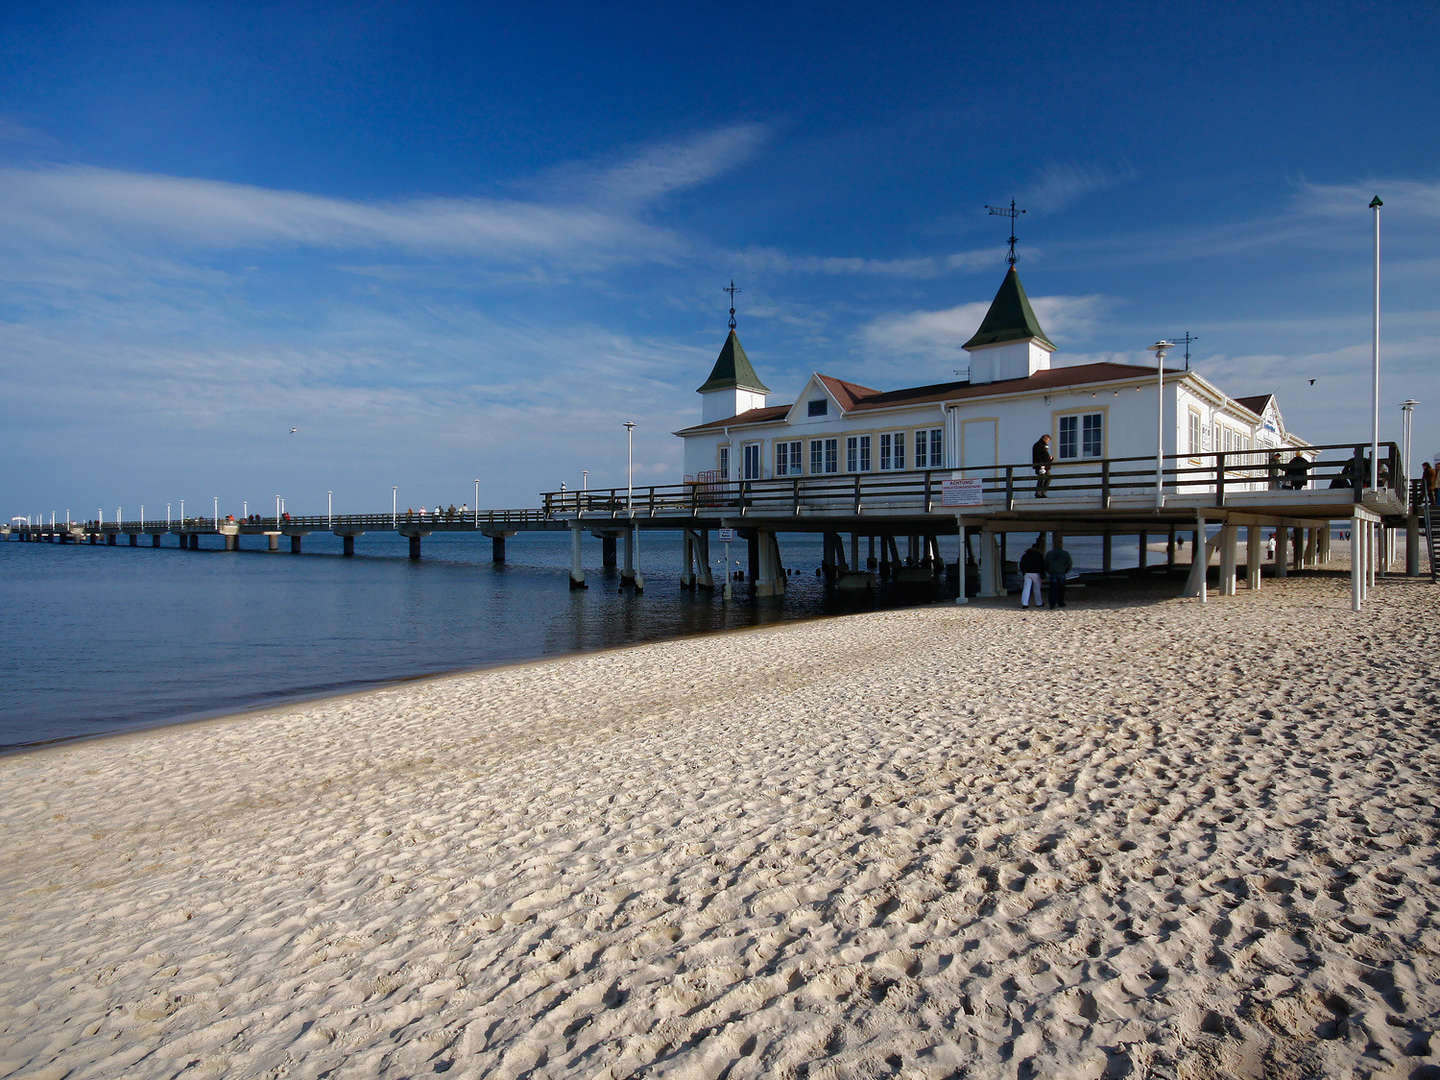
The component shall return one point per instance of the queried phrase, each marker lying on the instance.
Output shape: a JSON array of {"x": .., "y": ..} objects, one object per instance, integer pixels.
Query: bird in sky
[
  {"x": 293, "y": 430},
  {"x": 1312, "y": 383}
]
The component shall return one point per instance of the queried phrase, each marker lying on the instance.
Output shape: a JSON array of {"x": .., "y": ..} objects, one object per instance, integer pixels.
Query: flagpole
[{"x": 1375, "y": 205}]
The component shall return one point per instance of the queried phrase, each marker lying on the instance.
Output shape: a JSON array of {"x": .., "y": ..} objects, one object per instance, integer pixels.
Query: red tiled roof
[{"x": 856, "y": 398}]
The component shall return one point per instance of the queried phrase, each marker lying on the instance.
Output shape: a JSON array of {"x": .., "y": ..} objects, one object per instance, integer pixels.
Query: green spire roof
[
  {"x": 732, "y": 370},
  {"x": 1010, "y": 317}
]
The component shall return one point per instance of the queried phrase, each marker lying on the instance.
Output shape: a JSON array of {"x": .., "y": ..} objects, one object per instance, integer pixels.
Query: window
[
  {"x": 857, "y": 453},
  {"x": 892, "y": 450},
  {"x": 750, "y": 461},
  {"x": 929, "y": 449},
  {"x": 824, "y": 456},
  {"x": 1194, "y": 432},
  {"x": 819, "y": 408},
  {"x": 1082, "y": 436},
  {"x": 724, "y": 463},
  {"x": 787, "y": 459}
]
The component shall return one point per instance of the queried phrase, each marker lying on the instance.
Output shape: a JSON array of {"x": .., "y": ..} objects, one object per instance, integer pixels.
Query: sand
[{"x": 1137, "y": 837}]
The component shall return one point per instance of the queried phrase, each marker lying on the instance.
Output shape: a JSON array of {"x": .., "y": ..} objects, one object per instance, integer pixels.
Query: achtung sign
[
  {"x": 726, "y": 535},
  {"x": 961, "y": 491}
]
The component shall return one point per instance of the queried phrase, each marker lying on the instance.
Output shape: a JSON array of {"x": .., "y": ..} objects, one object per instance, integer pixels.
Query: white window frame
[
  {"x": 824, "y": 455},
  {"x": 723, "y": 461},
  {"x": 750, "y": 456},
  {"x": 788, "y": 459},
  {"x": 930, "y": 448},
  {"x": 857, "y": 453},
  {"x": 1087, "y": 429}
]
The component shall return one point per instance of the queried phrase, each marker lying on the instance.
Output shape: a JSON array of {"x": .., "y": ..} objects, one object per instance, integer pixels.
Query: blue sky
[{"x": 449, "y": 242}]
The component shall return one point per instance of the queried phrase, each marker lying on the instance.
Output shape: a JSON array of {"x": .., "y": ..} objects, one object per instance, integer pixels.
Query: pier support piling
[
  {"x": 154, "y": 539},
  {"x": 577, "y": 570},
  {"x": 294, "y": 545},
  {"x": 232, "y": 542},
  {"x": 274, "y": 541},
  {"x": 347, "y": 546},
  {"x": 608, "y": 557},
  {"x": 414, "y": 548}
]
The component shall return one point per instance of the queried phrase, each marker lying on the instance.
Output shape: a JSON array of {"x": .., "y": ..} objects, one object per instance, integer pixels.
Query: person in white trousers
[{"x": 1032, "y": 565}]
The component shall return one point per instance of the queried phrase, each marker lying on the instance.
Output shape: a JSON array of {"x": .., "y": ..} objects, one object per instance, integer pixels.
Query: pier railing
[
  {"x": 441, "y": 521},
  {"x": 1214, "y": 474}
]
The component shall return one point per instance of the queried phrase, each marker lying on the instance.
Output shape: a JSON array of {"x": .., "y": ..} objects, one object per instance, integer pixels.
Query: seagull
[
  {"x": 1312, "y": 383},
  {"x": 293, "y": 430}
]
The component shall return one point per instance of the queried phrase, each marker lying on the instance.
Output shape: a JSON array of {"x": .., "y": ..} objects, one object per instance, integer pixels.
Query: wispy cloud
[
  {"x": 645, "y": 174},
  {"x": 1060, "y": 184},
  {"x": 919, "y": 333},
  {"x": 71, "y": 202},
  {"x": 1420, "y": 198},
  {"x": 773, "y": 260}
]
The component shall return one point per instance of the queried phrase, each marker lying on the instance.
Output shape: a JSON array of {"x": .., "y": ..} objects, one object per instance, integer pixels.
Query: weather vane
[
  {"x": 732, "y": 290},
  {"x": 1012, "y": 214}
]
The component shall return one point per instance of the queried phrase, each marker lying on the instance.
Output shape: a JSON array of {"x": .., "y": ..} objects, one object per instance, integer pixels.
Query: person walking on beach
[
  {"x": 1041, "y": 460},
  {"x": 1032, "y": 565},
  {"x": 1057, "y": 565}
]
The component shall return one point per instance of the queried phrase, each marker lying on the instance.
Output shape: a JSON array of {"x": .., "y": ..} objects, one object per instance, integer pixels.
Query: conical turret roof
[
  {"x": 1010, "y": 317},
  {"x": 732, "y": 370}
]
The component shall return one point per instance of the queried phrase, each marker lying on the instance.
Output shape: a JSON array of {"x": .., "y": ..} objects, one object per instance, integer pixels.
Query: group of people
[{"x": 1054, "y": 564}]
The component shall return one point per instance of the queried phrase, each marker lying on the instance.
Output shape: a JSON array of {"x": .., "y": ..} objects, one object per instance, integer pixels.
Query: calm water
[{"x": 107, "y": 638}]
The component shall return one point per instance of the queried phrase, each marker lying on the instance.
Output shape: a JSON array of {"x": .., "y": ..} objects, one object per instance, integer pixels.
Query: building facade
[{"x": 1013, "y": 396}]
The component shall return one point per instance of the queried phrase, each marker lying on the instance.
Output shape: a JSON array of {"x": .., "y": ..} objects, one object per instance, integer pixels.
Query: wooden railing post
[
  {"x": 1105, "y": 483},
  {"x": 1219, "y": 479},
  {"x": 1009, "y": 487},
  {"x": 927, "y": 491},
  {"x": 795, "y": 496},
  {"x": 856, "y": 508}
]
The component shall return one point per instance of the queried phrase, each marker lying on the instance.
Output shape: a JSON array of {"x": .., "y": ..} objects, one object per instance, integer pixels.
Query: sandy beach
[{"x": 1137, "y": 837}]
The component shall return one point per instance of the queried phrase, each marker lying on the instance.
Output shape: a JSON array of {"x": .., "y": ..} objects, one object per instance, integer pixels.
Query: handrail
[{"x": 1213, "y": 474}]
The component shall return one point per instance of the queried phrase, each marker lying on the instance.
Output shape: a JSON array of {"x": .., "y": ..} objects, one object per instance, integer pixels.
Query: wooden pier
[{"x": 1182, "y": 498}]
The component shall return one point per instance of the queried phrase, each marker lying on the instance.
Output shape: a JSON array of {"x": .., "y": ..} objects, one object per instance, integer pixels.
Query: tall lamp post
[
  {"x": 1375, "y": 205},
  {"x": 1159, "y": 349},
  {"x": 477, "y": 502},
  {"x": 630, "y": 467},
  {"x": 217, "y": 511},
  {"x": 329, "y": 509},
  {"x": 394, "y": 505}
]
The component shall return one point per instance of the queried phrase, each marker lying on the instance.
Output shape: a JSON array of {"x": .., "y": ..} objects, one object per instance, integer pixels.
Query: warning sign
[{"x": 961, "y": 491}]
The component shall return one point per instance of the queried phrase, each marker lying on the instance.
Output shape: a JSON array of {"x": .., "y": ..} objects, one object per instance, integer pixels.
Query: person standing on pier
[
  {"x": 1057, "y": 565},
  {"x": 1032, "y": 565},
  {"x": 1040, "y": 458}
]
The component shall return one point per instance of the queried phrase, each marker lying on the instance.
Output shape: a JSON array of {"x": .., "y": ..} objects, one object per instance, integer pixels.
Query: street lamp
[
  {"x": 277, "y": 511},
  {"x": 1159, "y": 349},
  {"x": 477, "y": 502},
  {"x": 1375, "y": 205},
  {"x": 1407, "y": 408},
  {"x": 394, "y": 505},
  {"x": 167, "y": 515},
  {"x": 329, "y": 509},
  {"x": 182, "y": 511},
  {"x": 630, "y": 468},
  {"x": 216, "y": 499}
]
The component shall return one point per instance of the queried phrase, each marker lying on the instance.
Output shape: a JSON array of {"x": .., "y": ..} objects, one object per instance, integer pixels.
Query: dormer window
[{"x": 819, "y": 408}]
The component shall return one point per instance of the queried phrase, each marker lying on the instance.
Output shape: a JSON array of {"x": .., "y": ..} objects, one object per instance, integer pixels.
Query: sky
[{"x": 449, "y": 243}]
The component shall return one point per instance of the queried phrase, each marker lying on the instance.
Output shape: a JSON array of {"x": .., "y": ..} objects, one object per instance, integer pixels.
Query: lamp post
[
  {"x": 67, "y": 517},
  {"x": 216, "y": 499},
  {"x": 1407, "y": 409},
  {"x": 1159, "y": 349},
  {"x": 394, "y": 505},
  {"x": 182, "y": 511},
  {"x": 142, "y": 515},
  {"x": 277, "y": 512},
  {"x": 244, "y": 508},
  {"x": 477, "y": 502},
  {"x": 329, "y": 509},
  {"x": 1375, "y": 205},
  {"x": 167, "y": 515},
  {"x": 630, "y": 467}
]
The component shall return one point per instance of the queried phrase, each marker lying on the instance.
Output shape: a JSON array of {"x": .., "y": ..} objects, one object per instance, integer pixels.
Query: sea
[{"x": 107, "y": 639}]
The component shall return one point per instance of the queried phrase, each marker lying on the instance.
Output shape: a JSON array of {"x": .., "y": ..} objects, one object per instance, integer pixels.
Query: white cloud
[
  {"x": 1420, "y": 198},
  {"x": 918, "y": 333},
  {"x": 70, "y": 202},
  {"x": 773, "y": 260},
  {"x": 1059, "y": 185}
]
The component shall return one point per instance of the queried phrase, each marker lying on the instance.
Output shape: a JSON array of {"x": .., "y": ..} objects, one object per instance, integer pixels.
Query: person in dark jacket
[
  {"x": 1032, "y": 565},
  {"x": 1057, "y": 565},
  {"x": 1040, "y": 458}
]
